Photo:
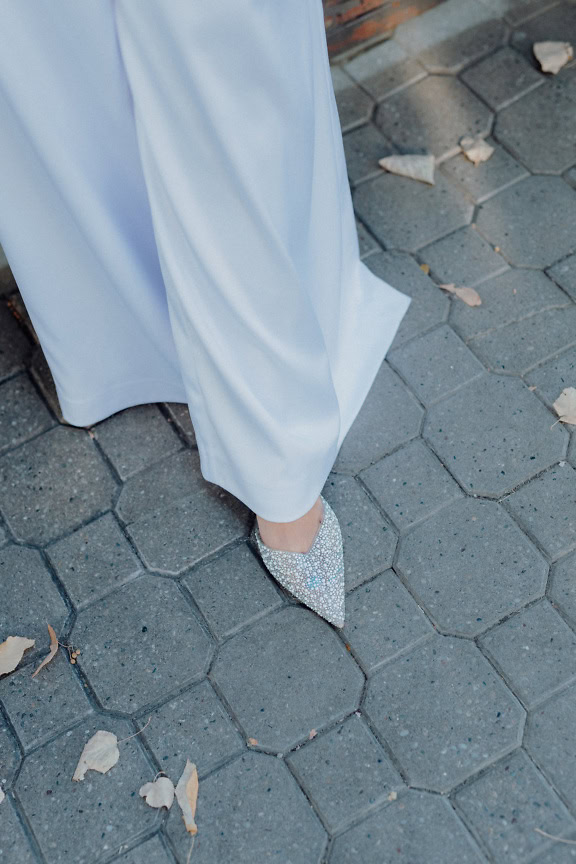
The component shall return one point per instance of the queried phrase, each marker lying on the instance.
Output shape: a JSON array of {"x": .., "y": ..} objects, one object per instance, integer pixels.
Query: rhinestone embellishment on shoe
[{"x": 316, "y": 577}]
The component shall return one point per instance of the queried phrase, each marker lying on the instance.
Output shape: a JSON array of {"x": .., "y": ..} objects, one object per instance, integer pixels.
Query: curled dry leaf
[
  {"x": 415, "y": 166},
  {"x": 100, "y": 753},
  {"x": 187, "y": 795},
  {"x": 468, "y": 295},
  {"x": 11, "y": 651},
  {"x": 552, "y": 56},
  {"x": 52, "y": 652},
  {"x": 565, "y": 405},
  {"x": 159, "y": 793},
  {"x": 476, "y": 149}
]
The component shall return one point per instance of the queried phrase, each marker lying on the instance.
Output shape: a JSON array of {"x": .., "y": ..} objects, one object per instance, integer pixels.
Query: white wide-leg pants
[{"x": 175, "y": 208}]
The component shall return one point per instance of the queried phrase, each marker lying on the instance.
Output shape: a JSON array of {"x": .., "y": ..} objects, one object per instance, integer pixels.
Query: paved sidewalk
[{"x": 440, "y": 726}]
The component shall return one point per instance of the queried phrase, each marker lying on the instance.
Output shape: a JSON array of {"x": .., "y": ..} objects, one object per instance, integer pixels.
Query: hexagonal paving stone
[
  {"x": 363, "y": 148},
  {"x": 180, "y": 416},
  {"x": 14, "y": 844},
  {"x": 556, "y": 23},
  {"x": 536, "y": 651},
  {"x": 470, "y": 565},
  {"x": 494, "y": 433},
  {"x": 345, "y": 772},
  {"x": 383, "y": 621},
  {"x": 366, "y": 242},
  {"x": 41, "y": 707},
  {"x": 564, "y": 273},
  {"x": 152, "y": 851},
  {"x": 354, "y": 105},
  {"x": 507, "y": 803},
  {"x": 40, "y": 372},
  {"x": 432, "y": 115},
  {"x": 24, "y": 576},
  {"x": 418, "y": 827},
  {"x": 140, "y": 644},
  {"x": 369, "y": 539},
  {"x": 193, "y": 723},
  {"x": 52, "y": 484},
  {"x": 451, "y": 55},
  {"x": 22, "y": 413},
  {"x": 81, "y": 822},
  {"x": 502, "y": 77},
  {"x": 444, "y": 712},
  {"x": 384, "y": 68},
  {"x": 9, "y": 755},
  {"x": 463, "y": 257},
  {"x": 267, "y": 675},
  {"x": 550, "y": 740},
  {"x": 563, "y": 586},
  {"x": 135, "y": 438},
  {"x": 530, "y": 221},
  {"x": 406, "y": 215},
  {"x": 15, "y": 345},
  {"x": 251, "y": 810},
  {"x": 483, "y": 180},
  {"x": 389, "y": 416},
  {"x": 175, "y": 517}
]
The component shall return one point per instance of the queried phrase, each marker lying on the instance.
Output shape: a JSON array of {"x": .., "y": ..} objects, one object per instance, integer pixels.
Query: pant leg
[{"x": 280, "y": 329}]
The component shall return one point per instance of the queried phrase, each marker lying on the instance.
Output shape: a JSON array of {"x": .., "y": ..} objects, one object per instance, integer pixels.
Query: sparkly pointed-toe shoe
[{"x": 316, "y": 577}]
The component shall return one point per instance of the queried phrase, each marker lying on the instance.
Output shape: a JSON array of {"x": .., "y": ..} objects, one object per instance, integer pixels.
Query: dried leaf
[
  {"x": 476, "y": 149},
  {"x": 565, "y": 405},
  {"x": 187, "y": 795},
  {"x": 2, "y": 795},
  {"x": 100, "y": 753},
  {"x": 52, "y": 653},
  {"x": 552, "y": 56},
  {"x": 159, "y": 793},
  {"x": 393, "y": 795},
  {"x": 415, "y": 166},
  {"x": 253, "y": 742},
  {"x": 468, "y": 295},
  {"x": 425, "y": 268},
  {"x": 312, "y": 734},
  {"x": 11, "y": 651}
]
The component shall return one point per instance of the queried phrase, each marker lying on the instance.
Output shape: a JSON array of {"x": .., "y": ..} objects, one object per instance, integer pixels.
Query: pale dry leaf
[
  {"x": 187, "y": 795},
  {"x": 425, "y": 268},
  {"x": 312, "y": 734},
  {"x": 2, "y": 795},
  {"x": 552, "y": 56},
  {"x": 415, "y": 166},
  {"x": 565, "y": 405},
  {"x": 468, "y": 295},
  {"x": 393, "y": 795},
  {"x": 52, "y": 652},
  {"x": 11, "y": 651},
  {"x": 159, "y": 793},
  {"x": 476, "y": 149},
  {"x": 253, "y": 742},
  {"x": 100, "y": 753}
]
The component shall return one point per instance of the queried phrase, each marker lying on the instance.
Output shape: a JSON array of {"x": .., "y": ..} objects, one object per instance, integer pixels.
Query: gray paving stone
[
  {"x": 453, "y": 54},
  {"x": 417, "y": 827},
  {"x": 152, "y": 851},
  {"x": 572, "y": 450},
  {"x": 518, "y": 11},
  {"x": 94, "y": 560},
  {"x": 389, "y": 416},
  {"x": 546, "y": 509},
  {"x": 251, "y": 810},
  {"x": 22, "y": 413},
  {"x": 179, "y": 414},
  {"x": 363, "y": 148},
  {"x": 463, "y": 257},
  {"x": 449, "y": 19},
  {"x": 175, "y": 517},
  {"x": 194, "y": 725},
  {"x": 366, "y": 242},
  {"x": 435, "y": 364},
  {"x": 502, "y": 77},
  {"x": 552, "y": 377},
  {"x": 15, "y": 346},
  {"x": 558, "y": 853},
  {"x": 140, "y": 644},
  {"x": 518, "y": 347},
  {"x": 52, "y": 484},
  {"x": 40, "y": 372},
  {"x": 345, "y": 773},
  {"x": 369, "y": 539},
  {"x": 354, "y": 104},
  {"x": 487, "y": 178},
  {"x": 531, "y": 221},
  {"x": 383, "y": 621},
  {"x": 564, "y": 273},
  {"x": 430, "y": 305},
  {"x": 268, "y": 673},
  {"x": 470, "y": 565},
  {"x": 431, "y": 116},
  {"x": 135, "y": 438},
  {"x": 563, "y": 587},
  {"x": 555, "y": 23},
  {"x": 406, "y": 215},
  {"x": 507, "y": 803},
  {"x": 384, "y": 69},
  {"x": 550, "y": 740},
  {"x": 14, "y": 844},
  {"x": 411, "y": 484},
  {"x": 9, "y": 755},
  {"x": 23, "y": 575},
  {"x": 81, "y": 822},
  {"x": 512, "y": 296},
  {"x": 41, "y": 707},
  {"x": 494, "y": 434},
  {"x": 444, "y": 712},
  {"x": 232, "y": 591},
  {"x": 19, "y": 310},
  {"x": 536, "y": 651}
]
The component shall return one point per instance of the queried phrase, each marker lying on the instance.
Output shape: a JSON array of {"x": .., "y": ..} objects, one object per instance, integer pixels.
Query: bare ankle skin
[{"x": 296, "y": 536}]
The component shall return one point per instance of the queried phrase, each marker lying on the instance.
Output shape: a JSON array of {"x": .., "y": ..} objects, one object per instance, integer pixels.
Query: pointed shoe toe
[{"x": 316, "y": 577}]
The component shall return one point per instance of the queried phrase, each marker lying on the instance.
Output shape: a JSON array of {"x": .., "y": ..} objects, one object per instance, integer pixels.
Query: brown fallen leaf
[
  {"x": 11, "y": 651},
  {"x": 159, "y": 793},
  {"x": 187, "y": 795},
  {"x": 425, "y": 268},
  {"x": 100, "y": 753},
  {"x": 565, "y": 405},
  {"x": 415, "y": 166},
  {"x": 52, "y": 652},
  {"x": 468, "y": 295},
  {"x": 476, "y": 149},
  {"x": 552, "y": 56}
]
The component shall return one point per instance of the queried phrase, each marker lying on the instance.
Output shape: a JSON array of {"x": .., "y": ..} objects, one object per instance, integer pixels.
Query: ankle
[{"x": 295, "y": 536}]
